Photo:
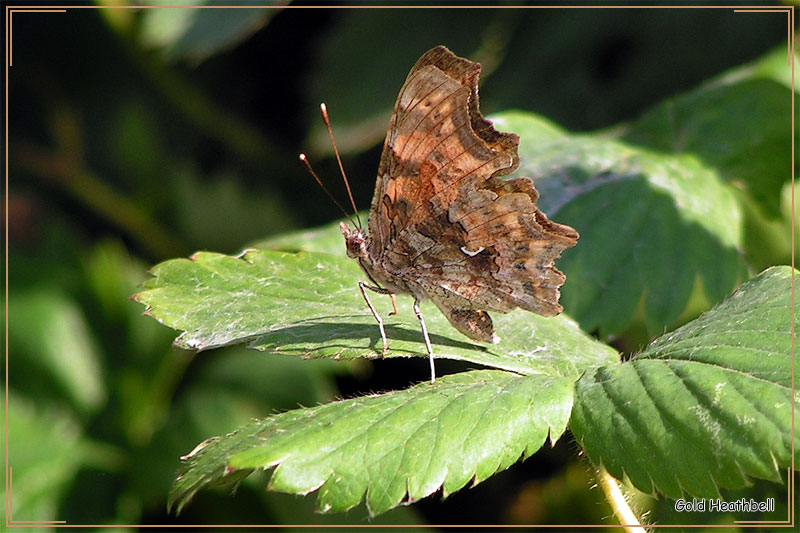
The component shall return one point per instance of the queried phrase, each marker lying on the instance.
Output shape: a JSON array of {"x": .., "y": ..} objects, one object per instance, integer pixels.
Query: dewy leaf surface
[
  {"x": 391, "y": 448},
  {"x": 308, "y": 304},
  {"x": 704, "y": 407}
]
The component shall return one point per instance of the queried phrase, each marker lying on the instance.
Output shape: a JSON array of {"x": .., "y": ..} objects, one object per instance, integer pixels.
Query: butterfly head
[{"x": 355, "y": 241}]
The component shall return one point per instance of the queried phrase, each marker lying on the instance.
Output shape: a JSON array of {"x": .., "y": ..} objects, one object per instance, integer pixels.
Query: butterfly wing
[
  {"x": 441, "y": 219},
  {"x": 507, "y": 248},
  {"x": 431, "y": 145}
]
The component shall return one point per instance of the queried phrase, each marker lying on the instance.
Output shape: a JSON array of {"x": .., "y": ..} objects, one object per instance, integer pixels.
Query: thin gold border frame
[{"x": 11, "y": 10}]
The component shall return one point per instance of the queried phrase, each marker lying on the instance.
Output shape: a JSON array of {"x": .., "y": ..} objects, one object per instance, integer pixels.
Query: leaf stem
[{"x": 618, "y": 502}]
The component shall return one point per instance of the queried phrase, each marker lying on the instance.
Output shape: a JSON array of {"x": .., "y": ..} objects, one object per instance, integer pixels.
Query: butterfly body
[{"x": 443, "y": 225}]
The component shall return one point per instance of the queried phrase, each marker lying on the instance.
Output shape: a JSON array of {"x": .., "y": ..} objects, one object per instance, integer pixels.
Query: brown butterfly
[{"x": 442, "y": 224}]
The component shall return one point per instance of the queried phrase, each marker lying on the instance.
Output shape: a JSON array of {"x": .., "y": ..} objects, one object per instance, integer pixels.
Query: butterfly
[{"x": 442, "y": 224}]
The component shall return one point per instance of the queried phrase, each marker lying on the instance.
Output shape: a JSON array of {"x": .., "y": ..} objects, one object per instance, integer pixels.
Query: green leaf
[
  {"x": 743, "y": 129},
  {"x": 656, "y": 212},
  {"x": 775, "y": 65},
  {"x": 197, "y": 33},
  {"x": 392, "y": 448},
  {"x": 308, "y": 304},
  {"x": 46, "y": 449},
  {"x": 704, "y": 407},
  {"x": 650, "y": 224},
  {"x": 52, "y": 335}
]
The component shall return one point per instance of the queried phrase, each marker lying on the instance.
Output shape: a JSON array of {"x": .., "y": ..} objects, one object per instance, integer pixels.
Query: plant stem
[
  {"x": 89, "y": 189},
  {"x": 618, "y": 503},
  {"x": 212, "y": 118}
]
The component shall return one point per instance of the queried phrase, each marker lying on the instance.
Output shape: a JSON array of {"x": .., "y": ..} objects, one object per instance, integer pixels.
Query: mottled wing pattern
[
  {"x": 501, "y": 257},
  {"x": 443, "y": 222},
  {"x": 431, "y": 145}
]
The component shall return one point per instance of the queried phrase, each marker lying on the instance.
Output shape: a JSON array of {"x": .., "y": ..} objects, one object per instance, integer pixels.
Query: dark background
[{"x": 131, "y": 142}]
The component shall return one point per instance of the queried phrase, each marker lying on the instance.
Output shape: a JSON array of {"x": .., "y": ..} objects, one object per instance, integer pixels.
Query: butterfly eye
[{"x": 354, "y": 243}]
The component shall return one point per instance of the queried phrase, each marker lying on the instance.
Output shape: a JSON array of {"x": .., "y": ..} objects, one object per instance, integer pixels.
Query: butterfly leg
[
  {"x": 427, "y": 340},
  {"x": 378, "y": 319},
  {"x": 394, "y": 305}
]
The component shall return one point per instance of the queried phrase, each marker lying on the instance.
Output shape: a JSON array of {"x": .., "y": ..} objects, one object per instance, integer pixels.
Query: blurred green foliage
[{"x": 139, "y": 135}]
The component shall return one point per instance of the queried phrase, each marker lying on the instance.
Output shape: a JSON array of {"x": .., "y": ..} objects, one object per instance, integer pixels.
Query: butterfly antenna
[
  {"x": 327, "y": 121},
  {"x": 304, "y": 159}
]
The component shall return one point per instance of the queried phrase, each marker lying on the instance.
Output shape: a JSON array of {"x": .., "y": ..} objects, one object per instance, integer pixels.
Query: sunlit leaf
[
  {"x": 390, "y": 448},
  {"x": 309, "y": 304},
  {"x": 705, "y": 407}
]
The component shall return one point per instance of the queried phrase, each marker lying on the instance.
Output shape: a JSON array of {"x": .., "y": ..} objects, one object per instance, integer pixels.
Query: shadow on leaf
[{"x": 312, "y": 338}]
